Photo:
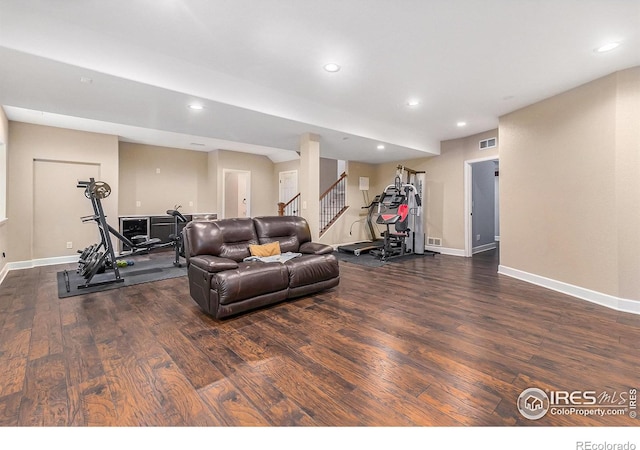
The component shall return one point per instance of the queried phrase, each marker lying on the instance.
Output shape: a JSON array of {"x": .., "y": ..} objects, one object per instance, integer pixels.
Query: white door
[{"x": 288, "y": 183}]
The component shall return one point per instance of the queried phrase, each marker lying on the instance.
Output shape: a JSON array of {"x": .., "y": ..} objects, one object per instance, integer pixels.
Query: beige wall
[
  {"x": 328, "y": 173},
  {"x": 569, "y": 187},
  {"x": 628, "y": 182},
  {"x": 264, "y": 197},
  {"x": 183, "y": 180},
  {"x": 190, "y": 176},
  {"x": 4, "y": 138},
  {"x": 444, "y": 194},
  {"x": 30, "y": 143}
]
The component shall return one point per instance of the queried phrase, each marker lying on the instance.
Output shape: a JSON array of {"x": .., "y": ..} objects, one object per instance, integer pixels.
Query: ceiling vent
[{"x": 488, "y": 143}]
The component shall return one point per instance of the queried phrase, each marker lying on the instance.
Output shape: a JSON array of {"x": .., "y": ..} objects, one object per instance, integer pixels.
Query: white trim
[
  {"x": 18, "y": 265},
  {"x": 484, "y": 248},
  {"x": 609, "y": 301},
  {"x": 3, "y": 221},
  {"x": 445, "y": 250},
  {"x": 4, "y": 272},
  {"x": 43, "y": 262},
  {"x": 468, "y": 198}
]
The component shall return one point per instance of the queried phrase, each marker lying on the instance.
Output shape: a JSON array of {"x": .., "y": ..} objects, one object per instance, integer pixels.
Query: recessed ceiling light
[
  {"x": 607, "y": 47},
  {"x": 86, "y": 80},
  {"x": 196, "y": 106},
  {"x": 332, "y": 67},
  {"x": 413, "y": 102},
  {"x": 380, "y": 147},
  {"x": 461, "y": 124}
]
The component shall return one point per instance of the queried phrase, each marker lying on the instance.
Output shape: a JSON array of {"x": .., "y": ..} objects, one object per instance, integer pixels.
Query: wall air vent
[
  {"x": 488, "y": 143},
  {"x": 434, "y": 241}
]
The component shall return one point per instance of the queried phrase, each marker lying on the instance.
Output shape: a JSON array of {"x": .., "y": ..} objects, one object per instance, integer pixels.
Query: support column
[{"x": 309, "y": 181}]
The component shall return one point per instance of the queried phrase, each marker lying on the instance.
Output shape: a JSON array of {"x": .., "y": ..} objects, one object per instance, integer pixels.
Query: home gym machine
[
  {"x": 100, "y": 257},
  {"x": 400, "y": 210}
]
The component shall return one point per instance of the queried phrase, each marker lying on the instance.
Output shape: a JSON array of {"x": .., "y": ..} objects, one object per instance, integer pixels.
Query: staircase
[
  {"x": 291, "y": 208},
  {"x": 333, "y": 203}
]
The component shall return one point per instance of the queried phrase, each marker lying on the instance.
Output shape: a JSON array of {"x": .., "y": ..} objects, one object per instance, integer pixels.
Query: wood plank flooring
[{"x": 442, "y": 341}]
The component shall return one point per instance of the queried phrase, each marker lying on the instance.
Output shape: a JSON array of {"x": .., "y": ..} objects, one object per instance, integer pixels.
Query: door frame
[
  {"x": 224, "y": 189},
  {"x": 468, "y": 199}
]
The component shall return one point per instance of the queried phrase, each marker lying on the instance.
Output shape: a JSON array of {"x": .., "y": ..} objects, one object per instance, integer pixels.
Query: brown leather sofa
[{"x": 223, "y": 285}]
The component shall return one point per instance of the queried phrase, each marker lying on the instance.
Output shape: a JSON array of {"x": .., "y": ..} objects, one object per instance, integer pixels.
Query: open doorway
[
  {"x": 236, "y": 193},
  {"x": 482, "y": 215}
]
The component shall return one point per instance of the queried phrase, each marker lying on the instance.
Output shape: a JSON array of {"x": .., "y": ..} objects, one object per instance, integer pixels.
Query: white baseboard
[
  {"x": 609, "y": 301},
  {"x": 445, "y": 250},
  {"x": 484, "y": 248},
  {"x": 3, "y": 273},
  {"x": 36, "y": 263}
]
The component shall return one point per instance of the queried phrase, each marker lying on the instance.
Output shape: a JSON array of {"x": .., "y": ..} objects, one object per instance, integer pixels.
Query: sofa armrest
[
  {"x": 213, "y": 263},
  {"x": 315, "y": 248}
]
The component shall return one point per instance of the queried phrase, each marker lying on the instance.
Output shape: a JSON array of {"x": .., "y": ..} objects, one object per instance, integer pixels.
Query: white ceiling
[{"x": 256, "y": 66}]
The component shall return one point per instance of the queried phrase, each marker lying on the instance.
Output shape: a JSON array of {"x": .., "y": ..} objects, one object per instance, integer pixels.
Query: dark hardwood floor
[{"x": 433, "y": 341}]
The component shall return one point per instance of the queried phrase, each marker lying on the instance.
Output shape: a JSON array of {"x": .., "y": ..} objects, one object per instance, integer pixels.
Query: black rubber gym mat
[
  {"x": 140, "y": 272},
  {"x": 368, "y": 260}
]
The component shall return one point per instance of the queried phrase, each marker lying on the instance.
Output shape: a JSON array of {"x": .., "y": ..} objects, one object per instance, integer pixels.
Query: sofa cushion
[
  {"x": 289, "y": 231},
  {"x": 226, "y": 238},
  {"x": 249, "y": 279},
  {"x": 315, "y": 248},
  {"x": 213, "y": 263},
  {"x": 310, "y": 269},
  {"x": 271, "y": 249}
]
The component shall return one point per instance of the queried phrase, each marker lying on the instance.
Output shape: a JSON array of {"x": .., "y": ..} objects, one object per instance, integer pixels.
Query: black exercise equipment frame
[
  {"x": 176, "y": 238},
  {"x": 94, "y": 190},
  {"x": 105, "y": 238}
]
